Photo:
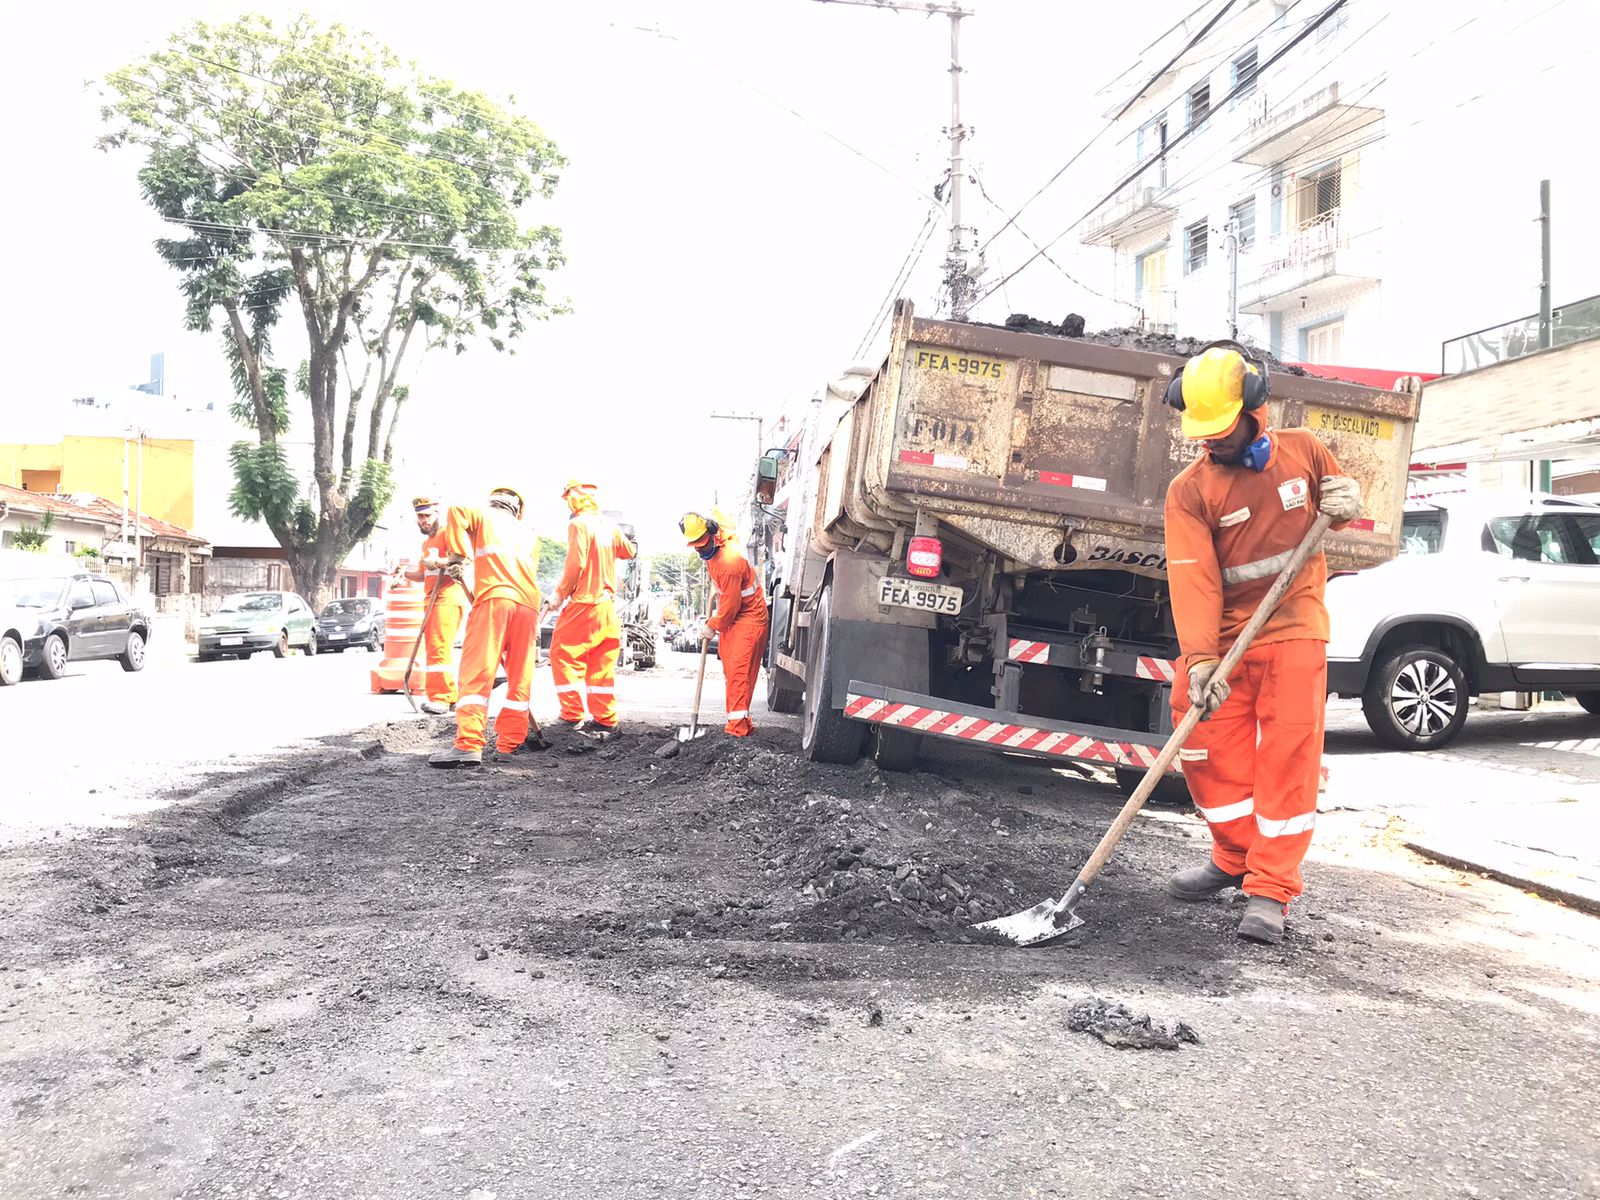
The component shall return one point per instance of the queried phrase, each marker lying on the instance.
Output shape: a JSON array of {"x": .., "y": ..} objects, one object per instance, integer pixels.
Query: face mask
[{"x": 706, "y": 552}]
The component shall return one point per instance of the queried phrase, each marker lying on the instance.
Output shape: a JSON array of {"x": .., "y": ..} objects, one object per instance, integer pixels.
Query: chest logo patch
[
  {"x": 1294, "y": 494},
  {"x": 1237, "y": 517}
]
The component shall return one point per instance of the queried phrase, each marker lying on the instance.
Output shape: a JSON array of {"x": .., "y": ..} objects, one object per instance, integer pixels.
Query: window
[
  {"x": 1244, "y": 74},
  {"x": 1196, "y": 240},
  {"x": 82, "y": 595},
  {"x": 1151, "y": 142},
  {"x": 1324, "y": 343},
  {"x": 104, "y": 592},
  {"x": 1422, "y": 532},
  {"x": 1199, "y": 103},
  {"x": 69, "y": 547},
  {"x": 1561, "y": 538},
  {"x": 1242, "y": 216},
  {"x": 1317, "y": 196}
]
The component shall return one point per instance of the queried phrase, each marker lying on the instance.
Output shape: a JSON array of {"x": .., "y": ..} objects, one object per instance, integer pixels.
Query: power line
[
  {"x": 984, "y": 192},
  {"x": 1310, "y": 28},
  {"x": 1111, "y": 124},
  {"x": 907, "y": 266},
  {"x": 1165, "y": 67}
]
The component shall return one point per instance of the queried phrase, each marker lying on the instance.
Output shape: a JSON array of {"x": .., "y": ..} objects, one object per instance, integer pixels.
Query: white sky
[{"x": 724, "y": 255}]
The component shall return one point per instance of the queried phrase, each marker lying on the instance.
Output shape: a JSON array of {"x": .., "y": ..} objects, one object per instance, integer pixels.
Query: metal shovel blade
[
  {"x": 689, "y": 733},
  {"x": 1045, "y": 920}
]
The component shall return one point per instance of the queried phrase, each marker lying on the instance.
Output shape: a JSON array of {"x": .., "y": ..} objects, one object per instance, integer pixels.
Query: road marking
[{"x": 851, "y": 1147}]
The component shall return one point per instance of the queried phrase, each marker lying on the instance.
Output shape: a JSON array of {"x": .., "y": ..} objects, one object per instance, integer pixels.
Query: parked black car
[
  {"x": 49, "y": 621},
  {"x": 353, "y": 621}
]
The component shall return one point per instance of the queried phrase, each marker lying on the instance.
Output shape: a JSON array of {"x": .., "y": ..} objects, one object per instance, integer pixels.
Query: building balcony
[
  {"x": 1304, "y": 266},
  {"x": 1136, "y": 209},
  {"x": 1316, "y": 127}
]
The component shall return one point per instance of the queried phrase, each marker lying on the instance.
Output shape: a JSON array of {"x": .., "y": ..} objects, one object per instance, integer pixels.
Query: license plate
[
  {"x": 913, "y": 593},
  {"x": 239, "y": 641},
  {"x": 334, "y": 637}
]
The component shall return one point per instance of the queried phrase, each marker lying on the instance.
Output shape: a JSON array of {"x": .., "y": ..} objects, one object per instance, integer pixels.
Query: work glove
[
  {"x": 1201, "y": 692},
  {"x": 713, "y": 626},
  {"x": 456, "y": 570},
  {"x": 1339, "y": 497}
]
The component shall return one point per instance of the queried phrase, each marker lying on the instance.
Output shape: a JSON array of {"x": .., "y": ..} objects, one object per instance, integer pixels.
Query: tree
[
  {"x": 35, "y": 538},
  {"x": 311, "y": 171},
  {"x": 552, "y": 561},
  {"x": 681, "y": 575}
]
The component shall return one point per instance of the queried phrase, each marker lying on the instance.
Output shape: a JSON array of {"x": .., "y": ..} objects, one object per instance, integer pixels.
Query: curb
[{"x": 1579, "y": 900}]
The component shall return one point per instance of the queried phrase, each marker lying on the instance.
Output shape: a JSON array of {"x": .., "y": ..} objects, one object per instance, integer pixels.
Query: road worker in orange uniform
[
  {"x": 444, "y": 618},
  {"x": 587, "y": 639},
  {"x": 740, "y": 621},
  {"x": 503, "y": 623},
  {"x": 1233, "y": 518}
]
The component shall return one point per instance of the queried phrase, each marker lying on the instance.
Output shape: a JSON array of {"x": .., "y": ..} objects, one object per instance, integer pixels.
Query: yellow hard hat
[
  {"x": 576, "y": 485},
  {"x": 696, "y": 528},
  {"x": 1214, "y": 387}
]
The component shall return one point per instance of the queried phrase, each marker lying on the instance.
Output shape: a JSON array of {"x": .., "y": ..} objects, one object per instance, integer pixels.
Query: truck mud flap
[{"x": 1014, "y": 733}]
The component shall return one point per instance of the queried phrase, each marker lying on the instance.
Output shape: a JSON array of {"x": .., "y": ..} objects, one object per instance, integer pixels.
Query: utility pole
[
  {"x": 138, "y": 535},
  {"x": 756, "y": 530},
  {"x": 959, "y": 280},
  {"x": 1542, "y": 480},
  {"x": 125, "y": 434},
  {"x": 1231, "y": 234}
]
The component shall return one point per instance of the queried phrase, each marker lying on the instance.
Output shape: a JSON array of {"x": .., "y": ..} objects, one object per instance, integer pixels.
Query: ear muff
[{"x": 1257, "y": 387}]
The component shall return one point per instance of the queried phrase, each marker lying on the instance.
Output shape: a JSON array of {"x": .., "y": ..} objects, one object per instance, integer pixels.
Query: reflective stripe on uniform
[
  {"x": 739, "y": 715},
  {"x": 1259, "y": 569},
  {"x": 599, "y": 691},
  {"x": 1224, "y": 813},
  {"x": 1287, "y": 827},
  {"x": 485, "y": 551},
  {"x": 569, "y": 691},
  {"x": 515, "y": 706},
  {"x": 749, "y": 591},
  {"x": 1188, "y": 755},
  {"x": 470, "y": 701}
]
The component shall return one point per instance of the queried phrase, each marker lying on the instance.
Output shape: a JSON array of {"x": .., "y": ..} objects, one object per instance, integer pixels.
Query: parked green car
[{"x": 250, "y": 621}]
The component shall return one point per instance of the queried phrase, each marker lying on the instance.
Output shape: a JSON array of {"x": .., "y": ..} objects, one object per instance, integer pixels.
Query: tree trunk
[{"x": 315, "y": 566}]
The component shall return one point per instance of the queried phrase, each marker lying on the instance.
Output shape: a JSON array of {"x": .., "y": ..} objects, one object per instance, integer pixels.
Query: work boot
[
  {"x": 529, "y": 745},
  {"x": 1263, "y": 920},
  {"x": 456, "y": 757},
  {"x": 436, "y": 708},
  {"x": 1201, "y": 883}
]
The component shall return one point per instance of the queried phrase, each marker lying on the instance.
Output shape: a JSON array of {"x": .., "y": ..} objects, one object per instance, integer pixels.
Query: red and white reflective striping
[
  {"x": 999, "y": 734},
  {"x": 1029, "y": 652},
  {"x": 1163, "y": 669}
]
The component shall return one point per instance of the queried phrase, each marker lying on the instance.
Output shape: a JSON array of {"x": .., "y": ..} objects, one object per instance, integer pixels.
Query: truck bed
[{"x": 1057, "y": 451}]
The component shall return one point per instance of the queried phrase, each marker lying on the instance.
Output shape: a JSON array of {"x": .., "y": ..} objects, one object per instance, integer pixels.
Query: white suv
[{"x": 1489, "y": 594}]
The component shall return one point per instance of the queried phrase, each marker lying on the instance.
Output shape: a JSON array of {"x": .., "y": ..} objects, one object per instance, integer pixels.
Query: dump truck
[{"x": 972, "y": 543}]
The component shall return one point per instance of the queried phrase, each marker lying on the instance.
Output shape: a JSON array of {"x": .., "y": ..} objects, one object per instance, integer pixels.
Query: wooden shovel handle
[{"x": 1264, "y": 610}]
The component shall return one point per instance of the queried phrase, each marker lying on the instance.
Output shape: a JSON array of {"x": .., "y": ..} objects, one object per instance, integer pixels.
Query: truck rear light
[{"x": 924, "y": 557}]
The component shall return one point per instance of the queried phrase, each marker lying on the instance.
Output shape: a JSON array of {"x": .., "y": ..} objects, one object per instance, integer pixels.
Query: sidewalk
[{"x": 1516, "y": 797}]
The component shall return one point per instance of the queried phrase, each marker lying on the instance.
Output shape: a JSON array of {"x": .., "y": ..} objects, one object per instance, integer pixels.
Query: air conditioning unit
[{"x": 1256, "y": 108}]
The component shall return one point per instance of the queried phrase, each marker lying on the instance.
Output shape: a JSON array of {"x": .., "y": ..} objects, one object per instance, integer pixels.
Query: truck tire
[
  {"x": 825, "y": 734},
  {"x": 1171, "y": 792},
  {"x": 895, "y": 749},
  {"x": 1589, "y": 700}
]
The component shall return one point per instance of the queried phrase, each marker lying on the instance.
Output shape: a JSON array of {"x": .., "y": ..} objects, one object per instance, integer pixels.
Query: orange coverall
[
  {"x": 587, "y": 639},
  {"x": 504, "y": 621},
  {"x": 740, "y": 624},
  {"x": 1253, "y": 767},
  {"x": 439, "y": 634}
]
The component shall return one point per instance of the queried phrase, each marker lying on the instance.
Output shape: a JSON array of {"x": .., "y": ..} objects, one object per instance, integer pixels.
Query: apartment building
[{"x": 1376, "y": 168}]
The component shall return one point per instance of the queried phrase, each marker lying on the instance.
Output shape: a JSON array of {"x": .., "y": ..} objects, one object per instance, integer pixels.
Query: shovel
[
  {"x": 438, "y": 586},
  {"x": 693, "y": 730},
  {"x": 1052, "y": 918}
]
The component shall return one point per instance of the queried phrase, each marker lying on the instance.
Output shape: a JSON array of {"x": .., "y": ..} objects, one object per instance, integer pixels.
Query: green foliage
[
  {"x": 35, "y": 538},
  {"x": 681, "y": 575},
  {"x": 264, "y": 488},
  {"x": 313, "y": 173},
  {"x": 89, "y": 554},
  {"x": 552, "y": 561}
]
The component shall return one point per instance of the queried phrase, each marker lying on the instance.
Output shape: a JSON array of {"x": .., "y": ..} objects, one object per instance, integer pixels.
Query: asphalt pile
[
  {"x": 1122, "y": 1029},
  {"x": 849, "y": 853},
  {"x": 1129, "y": 336}
]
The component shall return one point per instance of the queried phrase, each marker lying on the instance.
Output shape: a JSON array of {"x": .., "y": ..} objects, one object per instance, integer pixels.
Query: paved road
[{"x": 102, "y": 745}]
